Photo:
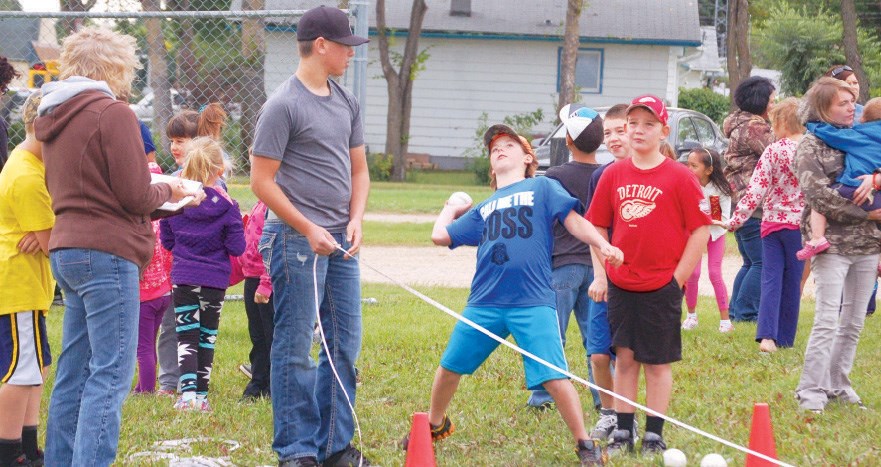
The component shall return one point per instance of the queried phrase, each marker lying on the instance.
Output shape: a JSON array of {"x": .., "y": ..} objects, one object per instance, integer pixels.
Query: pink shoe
[{"x": 810, "y": 250}]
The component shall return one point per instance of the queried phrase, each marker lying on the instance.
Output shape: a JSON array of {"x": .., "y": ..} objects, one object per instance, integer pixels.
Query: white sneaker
[
  {"x": 607, "y": 423},
  {"x": 726, "y": 327},
  {"x": 690, "y": 322}
]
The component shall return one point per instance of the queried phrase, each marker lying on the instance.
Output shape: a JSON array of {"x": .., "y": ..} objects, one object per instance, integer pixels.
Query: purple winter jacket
[{"x": 202, "y": 239}]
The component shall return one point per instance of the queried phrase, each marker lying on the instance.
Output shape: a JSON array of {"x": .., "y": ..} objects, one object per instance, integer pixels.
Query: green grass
[{"x": 715, "y": 386}]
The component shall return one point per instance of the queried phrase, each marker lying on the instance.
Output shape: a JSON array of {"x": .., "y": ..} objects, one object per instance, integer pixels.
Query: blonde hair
[
  {"x": 102, "y": 55},
  {"x": 667, "y": 150},
  {"x": 530, "y": 168},
  {"x": 872, "y": 110},
  {"x": 29, "y": 110},
  {"x": 204, "y": 160},
  {"x": 784, "y": 114},
  {"x": 820, "y": 97}
]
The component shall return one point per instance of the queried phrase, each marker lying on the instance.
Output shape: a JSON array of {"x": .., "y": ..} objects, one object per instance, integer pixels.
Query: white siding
[{"x": 465, "y": 77}]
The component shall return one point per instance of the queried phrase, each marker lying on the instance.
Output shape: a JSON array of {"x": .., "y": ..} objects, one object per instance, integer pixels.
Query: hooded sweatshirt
[
  {"x": 748, "y": 136},
  {"x": 96, "y": 171},
  {"x": 202, "y": 239},
  {"x": 252, "y": 260}
]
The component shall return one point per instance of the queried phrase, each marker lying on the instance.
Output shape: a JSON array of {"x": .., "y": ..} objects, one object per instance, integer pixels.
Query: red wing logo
[{"x": 635, "y": 208}]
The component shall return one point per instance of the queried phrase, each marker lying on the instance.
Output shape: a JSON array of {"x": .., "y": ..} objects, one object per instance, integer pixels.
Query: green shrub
[
  {"x": 380, "y": 166},
  {"x": 704, "y": 100},
  {"x": 480, "y": 166}
]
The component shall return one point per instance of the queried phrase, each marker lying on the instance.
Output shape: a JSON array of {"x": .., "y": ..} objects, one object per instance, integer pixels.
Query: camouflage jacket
[
  {"x": 748, "y": 136},
  {"x": 849, "y": 231}
]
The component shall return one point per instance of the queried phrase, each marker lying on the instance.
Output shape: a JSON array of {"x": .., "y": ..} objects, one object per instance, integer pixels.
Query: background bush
[
  {"x": 704, "y": 100},
  {"x": 380, "y": 166}
]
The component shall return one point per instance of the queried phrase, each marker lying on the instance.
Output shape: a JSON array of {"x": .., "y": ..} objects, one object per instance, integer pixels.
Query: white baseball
[
  {"x": 459, "y": 198},
  {"x": 713, "y": 460},
  {"x": 675, "y": 458}
]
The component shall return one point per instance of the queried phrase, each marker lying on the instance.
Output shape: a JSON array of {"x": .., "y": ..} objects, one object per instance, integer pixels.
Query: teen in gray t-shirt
[{"x": 308, "y": 134}]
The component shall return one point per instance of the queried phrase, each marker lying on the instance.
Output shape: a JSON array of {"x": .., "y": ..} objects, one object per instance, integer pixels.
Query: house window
[{"x": 588, "y": 70}]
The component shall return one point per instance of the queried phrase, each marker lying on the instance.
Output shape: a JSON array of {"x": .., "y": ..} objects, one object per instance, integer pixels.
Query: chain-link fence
[{"x": 189, "y": 59}]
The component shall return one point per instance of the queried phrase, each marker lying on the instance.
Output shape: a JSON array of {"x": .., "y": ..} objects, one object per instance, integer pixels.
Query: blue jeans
[
  {"x": 97, "y": 362},
  {"x": 781, "y": 288},
  {"x": 745, "y": 297},
  {"x": 311, "y": 417},
  {"x": 570, "y": 283}
]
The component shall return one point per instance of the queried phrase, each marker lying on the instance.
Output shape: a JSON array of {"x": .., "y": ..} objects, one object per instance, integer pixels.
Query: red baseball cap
[{"x": 653, "y": 104}]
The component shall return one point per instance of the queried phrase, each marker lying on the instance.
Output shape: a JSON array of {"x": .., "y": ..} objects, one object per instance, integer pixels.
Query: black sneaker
[
  {"x": 21, "y": 461},
  {"x": 590, "y": 453},
  {"x": 444, "y": 430},
  {"x": 39, "y": 460},
  {"x": 348, "y": 457},
  {"x": 300, "y": 462},
  {"x": 620, "y": 443},
  {"x": 653, "y": 444}
]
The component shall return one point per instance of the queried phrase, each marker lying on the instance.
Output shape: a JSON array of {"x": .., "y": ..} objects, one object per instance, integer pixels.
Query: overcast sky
[{"x": 102, "y": 5}]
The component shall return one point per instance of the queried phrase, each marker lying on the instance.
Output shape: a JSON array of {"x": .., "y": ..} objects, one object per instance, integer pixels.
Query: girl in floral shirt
[{"x": 774, "y": 188}]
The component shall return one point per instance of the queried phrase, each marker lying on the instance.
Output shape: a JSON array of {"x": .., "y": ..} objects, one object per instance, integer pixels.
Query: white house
[
  {"x": 502, "y": 57},
  {"x": 701, "y": 64}
]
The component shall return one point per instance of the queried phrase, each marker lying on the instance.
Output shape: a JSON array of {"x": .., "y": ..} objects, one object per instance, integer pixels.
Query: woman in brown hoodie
[
  {"x": 749, "y": 133},
  {"x": 102, "y": 199}
]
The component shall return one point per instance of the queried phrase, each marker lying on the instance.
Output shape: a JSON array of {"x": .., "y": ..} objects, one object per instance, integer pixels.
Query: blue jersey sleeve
[
  {"x": 467, "y": 230},
  {"x": 149, "y": 146}
]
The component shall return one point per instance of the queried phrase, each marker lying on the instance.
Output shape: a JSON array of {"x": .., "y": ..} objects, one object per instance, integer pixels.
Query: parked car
[
  {"x": 144, "y": 107},
  {"x": 688, "y": 129}
]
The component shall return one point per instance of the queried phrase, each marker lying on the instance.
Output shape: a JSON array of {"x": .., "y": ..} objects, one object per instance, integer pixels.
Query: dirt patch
[{"x": 454, "y": 268}]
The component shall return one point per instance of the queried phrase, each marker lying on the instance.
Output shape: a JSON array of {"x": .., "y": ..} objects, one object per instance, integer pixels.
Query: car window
[
  {"x": 686, "y": 131},
  {"x": 705, "y": 133}
]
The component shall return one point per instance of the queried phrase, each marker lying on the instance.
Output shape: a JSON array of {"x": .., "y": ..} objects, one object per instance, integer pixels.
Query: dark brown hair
[
  {"x": 190, "y": 124},
  {"x": 7, "y": 74}
]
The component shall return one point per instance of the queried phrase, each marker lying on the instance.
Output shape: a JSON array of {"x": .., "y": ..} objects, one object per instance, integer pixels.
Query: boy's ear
[{"x": 665, "y": 131}]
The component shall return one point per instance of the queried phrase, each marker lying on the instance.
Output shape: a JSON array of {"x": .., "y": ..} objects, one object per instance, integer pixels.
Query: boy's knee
[{"x": 600, "y": 360}]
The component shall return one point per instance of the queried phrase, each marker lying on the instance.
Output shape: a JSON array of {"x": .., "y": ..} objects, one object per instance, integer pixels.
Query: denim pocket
[
  {"x": 264, "y": 247},
  {"x": 74, "y": 265},
  {"x": 565, "y": 278}
]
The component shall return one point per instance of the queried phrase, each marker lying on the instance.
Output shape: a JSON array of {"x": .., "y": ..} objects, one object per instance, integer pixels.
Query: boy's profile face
[
  {"x": 506, "y": 153},
  {"x": 615, "y": 137},
  {"x": 645, "y": 131}
]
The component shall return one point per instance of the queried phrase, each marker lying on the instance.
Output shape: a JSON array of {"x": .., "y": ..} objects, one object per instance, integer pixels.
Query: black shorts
[{"x": 647, "y": 323}]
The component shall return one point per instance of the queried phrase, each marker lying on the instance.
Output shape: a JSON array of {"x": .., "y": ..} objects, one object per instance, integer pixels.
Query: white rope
[
  {"x": 327, "y": 352},
  {"x": 498, "y": 339}
]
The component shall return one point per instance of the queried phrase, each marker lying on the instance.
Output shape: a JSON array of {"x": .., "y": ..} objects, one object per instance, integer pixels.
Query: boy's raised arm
[{"x": 448, "y": 214}]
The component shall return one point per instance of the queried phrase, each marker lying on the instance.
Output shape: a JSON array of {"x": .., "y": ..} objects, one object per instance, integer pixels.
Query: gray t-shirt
[{"x": 311, "y": 135}]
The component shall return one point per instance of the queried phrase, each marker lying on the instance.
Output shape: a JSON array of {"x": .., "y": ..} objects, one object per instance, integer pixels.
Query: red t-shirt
[{"x": 652, "y": 213}]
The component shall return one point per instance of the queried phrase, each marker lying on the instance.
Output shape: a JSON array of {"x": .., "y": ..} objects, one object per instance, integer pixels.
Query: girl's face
[
  {"x": 853, "y": 83},
  {"x": 841, "y": 110},
  {"x": 644, "y": 131},
  {"x": 179, "y": 149},
  {"x": 698, "y": 168}
]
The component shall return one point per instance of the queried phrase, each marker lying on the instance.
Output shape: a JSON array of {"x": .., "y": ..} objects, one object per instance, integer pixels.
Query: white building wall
[{"x": 466, "y": 77}]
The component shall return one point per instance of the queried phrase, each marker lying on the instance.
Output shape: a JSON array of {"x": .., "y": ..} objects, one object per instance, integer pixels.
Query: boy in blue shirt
[{"x": 511, "y": 291}]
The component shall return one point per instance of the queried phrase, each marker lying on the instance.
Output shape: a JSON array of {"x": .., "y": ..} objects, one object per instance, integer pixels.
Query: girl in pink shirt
[{"x": 774, "y": 187}]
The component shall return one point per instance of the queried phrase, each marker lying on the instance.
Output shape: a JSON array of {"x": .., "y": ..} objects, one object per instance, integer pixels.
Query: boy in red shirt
[{"x": 638, "y": 198}]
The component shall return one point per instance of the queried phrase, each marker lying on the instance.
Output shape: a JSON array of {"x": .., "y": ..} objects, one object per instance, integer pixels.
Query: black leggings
[{"x": 197, "y": 317}]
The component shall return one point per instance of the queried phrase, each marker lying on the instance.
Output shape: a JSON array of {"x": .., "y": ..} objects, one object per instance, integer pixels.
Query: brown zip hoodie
[{"x": 96, "y": 172}]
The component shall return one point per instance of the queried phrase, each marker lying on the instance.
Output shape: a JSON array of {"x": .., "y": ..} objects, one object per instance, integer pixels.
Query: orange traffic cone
[
  {"x": 761, "y": 437},
  {"x": 420, "y": 452}
]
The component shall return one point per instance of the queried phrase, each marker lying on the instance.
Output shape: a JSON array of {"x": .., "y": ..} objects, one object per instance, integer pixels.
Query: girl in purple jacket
[{"x": 201, "y": 240}]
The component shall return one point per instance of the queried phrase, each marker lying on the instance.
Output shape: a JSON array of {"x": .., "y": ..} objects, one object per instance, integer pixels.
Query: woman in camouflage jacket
[
  {"x": 749, "y": 133},
  {"x": 845, "y": 273}
]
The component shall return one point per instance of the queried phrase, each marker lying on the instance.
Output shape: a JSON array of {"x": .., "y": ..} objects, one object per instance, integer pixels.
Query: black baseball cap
[{"x": 330, "y": 23}]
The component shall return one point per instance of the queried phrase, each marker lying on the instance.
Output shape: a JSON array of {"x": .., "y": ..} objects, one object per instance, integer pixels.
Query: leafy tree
[
  {"x": 802, "y": 44},
  {"x": 400, "y": 83},
  {"x": 706, "y": 101},
  {"x": 10, "y": 5},
  {"x": 739, "y": 59}
]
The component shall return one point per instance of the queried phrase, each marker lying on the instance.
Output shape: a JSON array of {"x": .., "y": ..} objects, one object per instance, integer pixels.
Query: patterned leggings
[{"x": 197, "y": 317}]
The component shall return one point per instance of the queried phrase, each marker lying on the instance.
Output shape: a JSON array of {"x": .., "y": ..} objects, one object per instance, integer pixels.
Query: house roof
[
  {"x": 671, "y": 22},
  {"x": 16, "y": 40},
  {"x": 708, "y": 60}
]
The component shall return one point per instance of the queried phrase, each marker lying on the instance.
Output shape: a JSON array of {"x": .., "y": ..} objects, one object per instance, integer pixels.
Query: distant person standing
[
  {"x": 7, "y": 74},
  {"x": 310, "y": 169},
  {"x": 749, "y": 132}
]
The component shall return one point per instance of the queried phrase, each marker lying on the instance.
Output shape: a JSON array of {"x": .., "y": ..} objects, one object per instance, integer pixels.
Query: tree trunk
[
  {"x": 571, "y": 36},
  {"x": 157, "y": 67},
  {"x": 400, "y": 85},
  {"x": 72, "y": 25},
  {"x": 252, "y": 91},
  {"x": 739, "y": 61},
  {"x": 851, "y": 48}
]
